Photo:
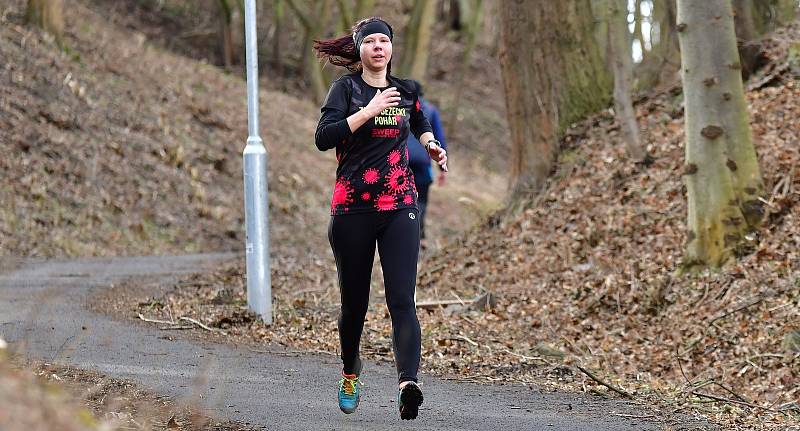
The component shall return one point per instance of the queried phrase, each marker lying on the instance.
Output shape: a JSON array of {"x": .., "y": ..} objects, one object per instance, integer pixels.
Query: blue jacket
[{"x": 418, "y": 159}]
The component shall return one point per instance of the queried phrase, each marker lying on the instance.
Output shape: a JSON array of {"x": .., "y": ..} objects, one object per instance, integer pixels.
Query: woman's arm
[{"x": 333, "y": 128}]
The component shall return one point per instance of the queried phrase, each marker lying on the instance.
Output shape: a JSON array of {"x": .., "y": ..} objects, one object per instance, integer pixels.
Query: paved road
[{"x": 42, "y": 312}]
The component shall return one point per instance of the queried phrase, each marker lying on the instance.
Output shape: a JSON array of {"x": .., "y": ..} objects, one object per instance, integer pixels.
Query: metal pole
[{"x": 259, "y": 290}]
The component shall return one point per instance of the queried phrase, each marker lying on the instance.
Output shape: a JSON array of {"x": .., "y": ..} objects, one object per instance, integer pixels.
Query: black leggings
[{"x": 353, "y": 238}]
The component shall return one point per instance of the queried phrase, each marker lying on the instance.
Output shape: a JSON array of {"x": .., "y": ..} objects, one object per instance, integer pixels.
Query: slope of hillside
[
  {"x": 121, "y": 147},
  {"x": 588, "y": 268},
  {"x": 583, "y": 280}
]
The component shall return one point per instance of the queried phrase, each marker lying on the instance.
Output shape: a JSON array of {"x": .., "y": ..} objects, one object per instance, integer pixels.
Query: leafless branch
[
  {"x": 163, "y": 322},
  {"x": 728, "y": 400},
  {"x": 198, "y": 323},
  {"x": 735, "y": 310},
  {"x": 608, "y": 385},
  {"x": 463, "y": 338}
]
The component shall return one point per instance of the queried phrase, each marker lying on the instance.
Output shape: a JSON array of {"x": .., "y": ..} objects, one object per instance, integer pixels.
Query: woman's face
[{"x": 376, "y": 51}]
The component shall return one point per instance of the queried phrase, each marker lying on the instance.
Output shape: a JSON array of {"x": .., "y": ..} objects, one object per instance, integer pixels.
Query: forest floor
[{"x": 581, "y": 282}]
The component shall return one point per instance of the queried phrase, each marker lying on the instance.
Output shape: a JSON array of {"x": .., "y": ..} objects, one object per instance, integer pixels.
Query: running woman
[{"x": 367, "y": 117}]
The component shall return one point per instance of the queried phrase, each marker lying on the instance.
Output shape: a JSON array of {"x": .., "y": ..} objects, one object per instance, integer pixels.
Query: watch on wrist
[{"x": 432, "y": 141}]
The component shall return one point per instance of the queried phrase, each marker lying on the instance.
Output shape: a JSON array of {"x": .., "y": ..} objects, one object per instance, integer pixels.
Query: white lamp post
[{"x": 259, "y": 290}]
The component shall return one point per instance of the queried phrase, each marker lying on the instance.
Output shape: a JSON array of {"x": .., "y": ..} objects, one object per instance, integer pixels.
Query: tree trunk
[
  {"x": 471, "y": 30},
  {"x": 312, "y": 22},
  {"x": 600, "y": 9},
  {"x": 416, "y": 48},
  {"x": 226, "y": 34},
  {"x": 279, "y": 13},
  {"x": 753, "y": 19},
  {"x": 637, "y": 26},
  {"x": 47, "y": 14},
  {"x": 749, "y": 47},
  {"x": 722, "y": 175},
  {"x": 348, "y": 17},
  {"x": 553, "y": 75},
  {"x": 620, "y": 60},
  {"x": 231, "y": 35},
  {"x": 663, "y": 60},
  {"x": 773, "y": 13}
]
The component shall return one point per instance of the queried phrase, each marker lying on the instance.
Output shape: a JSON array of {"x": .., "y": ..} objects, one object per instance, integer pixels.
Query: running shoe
[
  {"x": 349, "y": 392},
  {"x": 409, "y": 398}
]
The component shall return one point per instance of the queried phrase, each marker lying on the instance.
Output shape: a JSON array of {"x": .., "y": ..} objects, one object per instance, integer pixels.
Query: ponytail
[{"x": 342, "y": 51}]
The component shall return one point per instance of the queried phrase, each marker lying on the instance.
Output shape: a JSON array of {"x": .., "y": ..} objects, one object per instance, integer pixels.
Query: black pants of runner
[
  {"x": 353, "y": 238},
  {"x": 422, "y": 202}
]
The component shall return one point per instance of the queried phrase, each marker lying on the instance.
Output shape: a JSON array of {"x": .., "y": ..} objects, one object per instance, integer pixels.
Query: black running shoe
[{"x": 409, "y": 399}]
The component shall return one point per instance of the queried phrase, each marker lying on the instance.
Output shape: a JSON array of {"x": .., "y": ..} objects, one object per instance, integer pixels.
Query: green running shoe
[
  {"x": 349, "y": 392},
  {"x": 409, "y": 398}
]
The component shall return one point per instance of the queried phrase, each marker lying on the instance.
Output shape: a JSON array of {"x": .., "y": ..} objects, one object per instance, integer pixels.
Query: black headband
[{"x": 373, "y": 27}]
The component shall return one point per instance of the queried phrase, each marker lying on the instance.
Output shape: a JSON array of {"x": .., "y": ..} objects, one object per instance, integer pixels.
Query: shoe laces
[{"x": 348, "y": 385}]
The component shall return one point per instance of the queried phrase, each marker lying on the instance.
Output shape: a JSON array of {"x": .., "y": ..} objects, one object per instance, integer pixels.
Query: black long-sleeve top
[{"x": 373, "y": 173}]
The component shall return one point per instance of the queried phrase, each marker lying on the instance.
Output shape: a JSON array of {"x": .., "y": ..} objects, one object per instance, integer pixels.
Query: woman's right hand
[{"x": 382, "y": 100}]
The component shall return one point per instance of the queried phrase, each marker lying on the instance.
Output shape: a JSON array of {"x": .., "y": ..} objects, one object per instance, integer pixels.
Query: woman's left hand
[{"x": 439, "y": 155}]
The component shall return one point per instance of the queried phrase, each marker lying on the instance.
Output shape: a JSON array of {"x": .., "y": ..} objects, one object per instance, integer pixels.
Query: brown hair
[{"x": 341, "y": 51}]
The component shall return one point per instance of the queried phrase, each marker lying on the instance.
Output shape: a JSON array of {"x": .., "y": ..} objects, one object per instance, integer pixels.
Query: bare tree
[
  {"x": 416, "y": 45},
  {"x": 231, "y": 36},
  {"x": 470, "y": 31},
  {"x": 620, "y": 60},
  {"x": 278, "y": 16},
  {"x": 662, "y": 63},
  {"x": 313, "y": 21},
  {"x": 553, "y": 75},
  {"x": 47, "y": 14},
  {"x": 722, "y": 175},
  {"x": 348, "y": 16},
  {"x": 638, "y": 20},
  {"x": 770, "y": 14},
  {"x": 753, "y": 19}
]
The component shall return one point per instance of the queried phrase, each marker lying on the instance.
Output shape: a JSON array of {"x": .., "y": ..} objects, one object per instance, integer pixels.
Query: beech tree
[
  {"x": 553, "y": 75},
  {"x": 47, "y": 14},
  {"x": 722, "y": 175}
]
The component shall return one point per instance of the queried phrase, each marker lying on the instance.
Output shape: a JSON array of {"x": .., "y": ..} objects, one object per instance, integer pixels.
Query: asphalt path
[{"x": 43, "y": 315}]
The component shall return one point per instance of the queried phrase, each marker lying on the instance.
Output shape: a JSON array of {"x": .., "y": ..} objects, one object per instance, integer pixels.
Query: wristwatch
[{"x": 428, "y": 144}]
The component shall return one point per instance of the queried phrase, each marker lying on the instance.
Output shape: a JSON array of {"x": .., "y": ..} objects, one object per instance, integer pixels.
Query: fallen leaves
[{"x": 584, "y": 278}]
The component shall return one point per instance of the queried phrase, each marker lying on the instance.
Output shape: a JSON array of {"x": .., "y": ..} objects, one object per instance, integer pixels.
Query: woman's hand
[
  {"x": 382, "y": 100},
  {"x": 438, "y": 154}
]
